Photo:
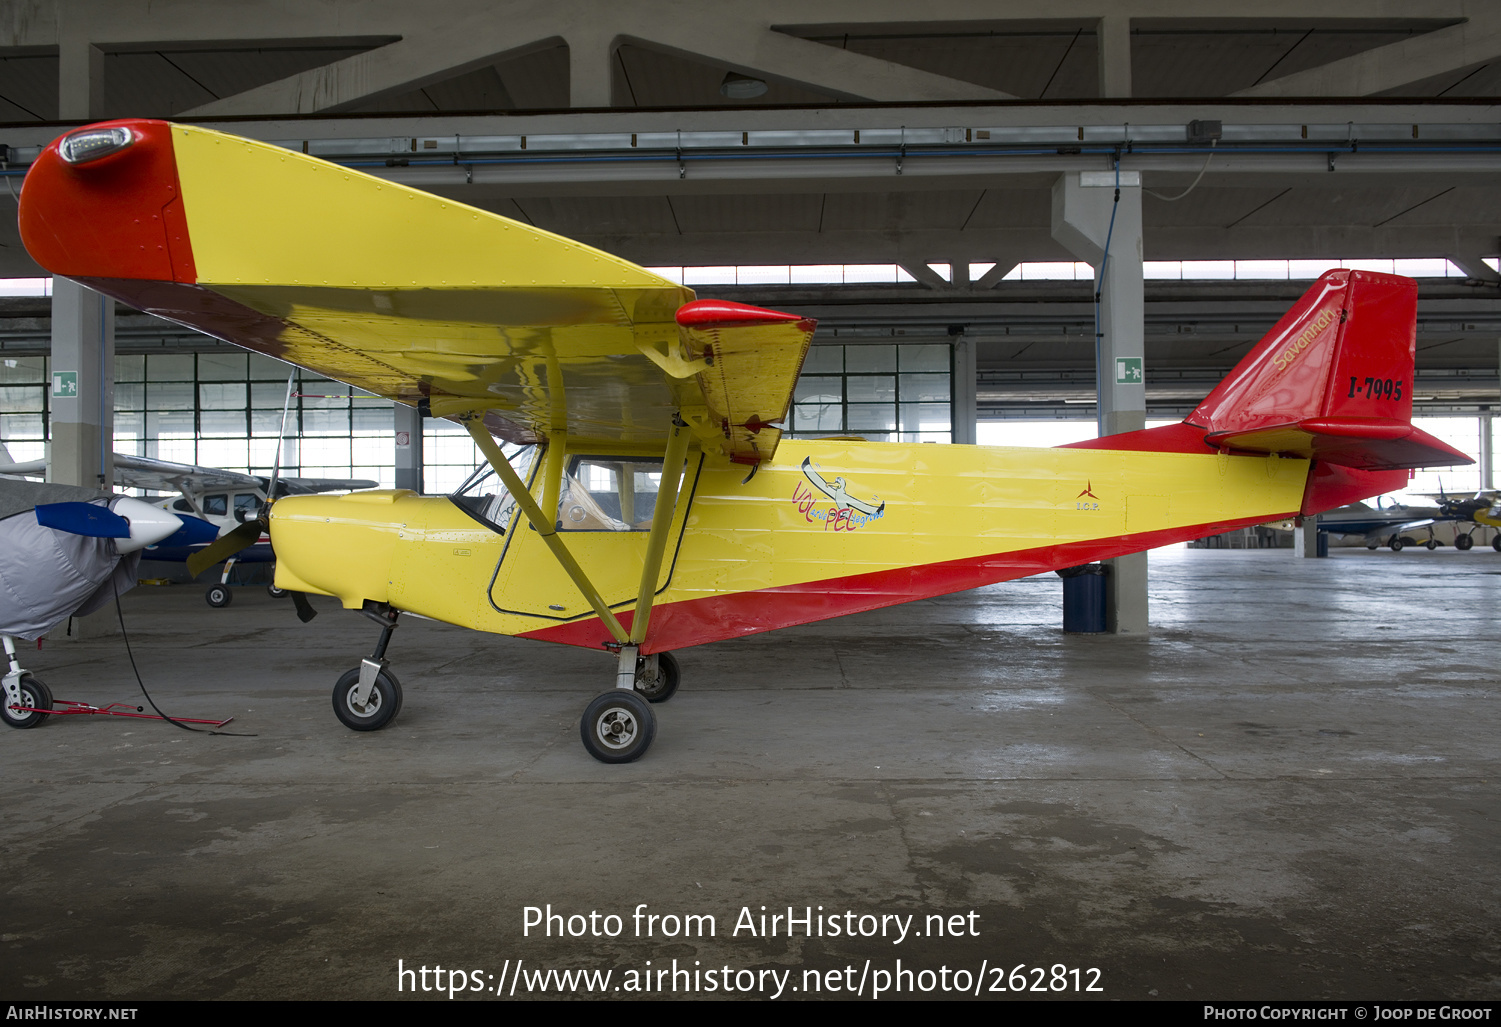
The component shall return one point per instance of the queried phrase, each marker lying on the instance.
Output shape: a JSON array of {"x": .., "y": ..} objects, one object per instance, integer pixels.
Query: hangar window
[{"x": 881, "y": 392}]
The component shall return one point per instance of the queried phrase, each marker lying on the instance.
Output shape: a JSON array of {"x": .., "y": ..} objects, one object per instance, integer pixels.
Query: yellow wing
[{"x": 408, "y": 295}]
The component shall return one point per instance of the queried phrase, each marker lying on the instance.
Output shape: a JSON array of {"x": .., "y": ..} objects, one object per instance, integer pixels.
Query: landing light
[{"x": 82, "y": 147}]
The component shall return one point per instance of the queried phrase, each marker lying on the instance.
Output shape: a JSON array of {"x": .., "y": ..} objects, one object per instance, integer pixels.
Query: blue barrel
[{"x": 1084, "y": 598}]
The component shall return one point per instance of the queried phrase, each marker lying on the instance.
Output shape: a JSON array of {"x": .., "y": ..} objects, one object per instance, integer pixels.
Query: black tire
[
  {"x": 382, "y": 706},
  {"x": 36, "y": 695},
  {"x": 1372, "y": 546},
  {"x": 1496, "y": 543},
  {"x": 618, "y": 726},
  {"x": 666, "y": 683},
  {"x": 276, "y": 593},
  {"x": 1397, "y": 545},
  {"x": 1431, "y": 544},
  {"x": 1464, "y": 543},
  {"x": 219, "y": 596}
]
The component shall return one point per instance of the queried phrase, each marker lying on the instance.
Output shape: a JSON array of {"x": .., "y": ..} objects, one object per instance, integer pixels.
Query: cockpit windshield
[{"x": 484, "y": 496}]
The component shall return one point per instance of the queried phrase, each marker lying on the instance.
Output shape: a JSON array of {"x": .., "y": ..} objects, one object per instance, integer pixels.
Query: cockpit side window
[{"x": 609, "y": 494}]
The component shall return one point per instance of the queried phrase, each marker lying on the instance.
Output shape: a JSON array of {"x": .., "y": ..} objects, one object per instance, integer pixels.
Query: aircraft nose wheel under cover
[
  {"x": 618, "y": 726},
  {"x": 35, "y": 698}
]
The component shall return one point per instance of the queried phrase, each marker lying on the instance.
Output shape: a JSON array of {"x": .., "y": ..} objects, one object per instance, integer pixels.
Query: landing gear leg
[
  {"x": 220, "y": 595},
  {"x": 25, "y": 698},
  {"x": 619, "y": 725},
  {"x": 369, "y": 697}
]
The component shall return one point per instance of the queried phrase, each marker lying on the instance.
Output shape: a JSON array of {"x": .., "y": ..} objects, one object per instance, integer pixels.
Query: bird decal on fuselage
[{"x": 838, "y": 492}]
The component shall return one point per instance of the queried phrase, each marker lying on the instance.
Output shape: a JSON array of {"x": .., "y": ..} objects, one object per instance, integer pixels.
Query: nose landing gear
[{"x": 368, "y": 697}]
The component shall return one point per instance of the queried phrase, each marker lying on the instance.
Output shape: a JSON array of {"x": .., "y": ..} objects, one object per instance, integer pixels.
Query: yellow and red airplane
[{"x": 655, "y": 505}]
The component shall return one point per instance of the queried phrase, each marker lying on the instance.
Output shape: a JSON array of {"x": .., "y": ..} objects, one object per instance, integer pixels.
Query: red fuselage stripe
[{"x": 714, "y": 618}]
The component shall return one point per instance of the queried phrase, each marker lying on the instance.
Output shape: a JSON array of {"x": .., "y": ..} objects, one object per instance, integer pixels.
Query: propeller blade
[
  {"x": 286, "y": 408},
  {"x": 83, "y": 519},
  {"x": 243, "y": 537},
  {"x": 305, "y": 611}
]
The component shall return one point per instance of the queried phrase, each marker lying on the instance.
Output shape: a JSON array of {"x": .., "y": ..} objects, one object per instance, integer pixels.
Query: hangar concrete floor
[{"x": 1289, "y": 790}]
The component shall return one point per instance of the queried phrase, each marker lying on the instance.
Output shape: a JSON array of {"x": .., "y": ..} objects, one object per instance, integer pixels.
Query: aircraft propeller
[{"x": 249, "y": 533}]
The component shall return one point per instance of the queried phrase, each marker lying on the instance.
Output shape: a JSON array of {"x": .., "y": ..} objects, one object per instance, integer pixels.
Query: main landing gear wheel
[
  {"x": 381, "y": 705},
  {"x": 664, "y": 685},
  {"x": 276, "y": 593},
  {"x": 1463, "y": 542},
  {"x": 1431, "y": 544},
  {"x": 1396, "y": 545},
  {"x": 618, "y": 726},
  {"x": 35, "y": 695},
  {"x": 1496, "y": 543},
  {"x": 219, "y": 596}
]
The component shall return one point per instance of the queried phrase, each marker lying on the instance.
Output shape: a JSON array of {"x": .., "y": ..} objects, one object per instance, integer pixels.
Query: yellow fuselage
[{"x": 751, "y": 555}]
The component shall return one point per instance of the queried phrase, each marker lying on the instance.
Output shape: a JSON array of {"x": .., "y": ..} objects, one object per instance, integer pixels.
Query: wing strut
[
  {"x": 545, "y": 525},
  {"x": 656, "y": 546},
  {"x": 661, "y": 524}
]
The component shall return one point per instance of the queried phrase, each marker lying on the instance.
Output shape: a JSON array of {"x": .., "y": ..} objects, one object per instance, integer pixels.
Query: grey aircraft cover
[{"x": 46, "y": 575}]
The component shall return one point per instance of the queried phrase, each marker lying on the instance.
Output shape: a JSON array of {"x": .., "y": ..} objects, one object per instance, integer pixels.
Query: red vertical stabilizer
[
  {"x": 1331, "y": 382},
  {"x": 1345, "y": 350}
]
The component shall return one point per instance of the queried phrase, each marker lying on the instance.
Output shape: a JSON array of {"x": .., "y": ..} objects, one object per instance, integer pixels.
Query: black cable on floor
[{"x": 197, "y": 730}]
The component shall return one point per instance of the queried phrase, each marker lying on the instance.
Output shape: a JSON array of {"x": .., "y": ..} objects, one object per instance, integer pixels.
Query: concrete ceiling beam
[
  {"x": 407, "y": 64},
  {"x": 1472, "y": 265},
  {"x": 1385, "y": 68},
  {"x": 745, "y": 42}
]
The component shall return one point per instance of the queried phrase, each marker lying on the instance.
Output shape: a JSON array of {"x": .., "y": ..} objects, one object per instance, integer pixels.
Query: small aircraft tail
[{"x": 1331, "y": 382}]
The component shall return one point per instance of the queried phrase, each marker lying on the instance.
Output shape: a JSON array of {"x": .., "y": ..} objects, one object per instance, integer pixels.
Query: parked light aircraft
[
  {"x": 1483, "y": 508},
  {"x": 66, "y": 551},
  {"x": 225, "y": 499},
  {"x": 1396, "y": 526},
  {"x": 1399, "y": 525},
  {"x": 658, "y": 506}
]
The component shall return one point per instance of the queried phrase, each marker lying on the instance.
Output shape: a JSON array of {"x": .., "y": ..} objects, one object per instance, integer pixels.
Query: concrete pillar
[
  {"x": 1306, "y": 539},
  {"x": 82, "y": 405},
  {"x": 591, "y": 68},
  {"x": 1114, "y": 40},
  {"x": 408, "y": 448},
  {"x": 80, "y": 84},
  {"x": 83, "y": 387},
  {"x": 1091, "y": 216},
  {"x": 82, "y": 400},
  {"x": 1485, "y": 457},
  {"x": 965, "y": 411}
]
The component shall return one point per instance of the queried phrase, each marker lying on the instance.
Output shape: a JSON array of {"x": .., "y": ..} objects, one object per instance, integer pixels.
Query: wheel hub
[
  {"x": 369, "y": 708},
  {"x": 616, "y": 728}
]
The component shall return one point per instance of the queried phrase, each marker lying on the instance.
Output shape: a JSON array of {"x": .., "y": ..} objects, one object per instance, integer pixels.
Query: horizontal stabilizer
[{"x": 1364, "y": 443}]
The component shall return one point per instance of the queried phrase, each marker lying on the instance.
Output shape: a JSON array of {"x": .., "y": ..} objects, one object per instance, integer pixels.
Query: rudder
[{"x": 1332, "y": 381}]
